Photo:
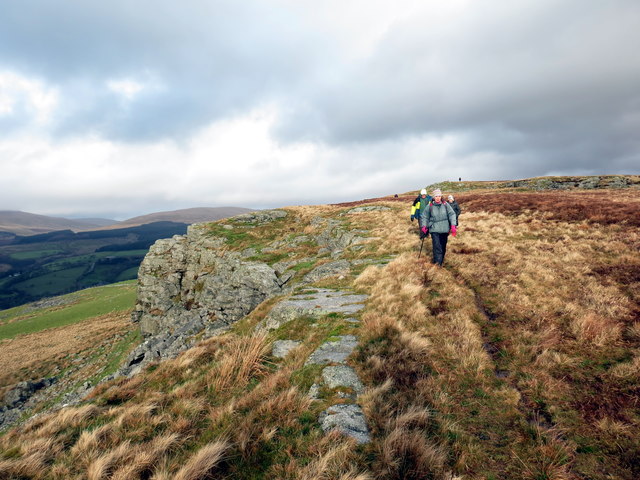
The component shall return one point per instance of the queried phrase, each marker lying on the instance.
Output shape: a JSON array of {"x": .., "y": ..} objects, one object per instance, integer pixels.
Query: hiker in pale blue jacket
[{"x": 438, "y": 219}]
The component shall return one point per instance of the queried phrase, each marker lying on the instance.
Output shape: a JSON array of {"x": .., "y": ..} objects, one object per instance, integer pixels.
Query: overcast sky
[{"x": 124, "y": 107}]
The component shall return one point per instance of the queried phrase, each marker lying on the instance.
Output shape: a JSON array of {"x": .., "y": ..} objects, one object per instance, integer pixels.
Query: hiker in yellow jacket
[{"x": 419, "y": 203}]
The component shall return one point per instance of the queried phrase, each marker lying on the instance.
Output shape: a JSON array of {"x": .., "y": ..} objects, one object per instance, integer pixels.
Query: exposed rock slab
[
  {"x": 260, "y": 216},
  {"x": 334, "y": 351},
  {"x": 317, "y": 303},
  {"x": 281, "y": 348},
  {"x": 329, "y": 301},
  {"x": 342, "y": 376},
  {"x": 347, "y": 419},
  {"x": 21, "y": 398},
  {"x": 335, "y": 237}
]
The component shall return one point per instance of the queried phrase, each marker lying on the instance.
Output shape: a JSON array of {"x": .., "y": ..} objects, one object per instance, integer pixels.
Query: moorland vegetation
[{"x": 519, "y": 359}]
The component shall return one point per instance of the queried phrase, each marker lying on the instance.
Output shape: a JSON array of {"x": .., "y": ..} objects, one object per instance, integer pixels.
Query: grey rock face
[
  {"x": 347, "y": 419},
  {"x": 588, "y": 183},
  {"x": 189, "y": 284},
  {"x": 19, "y": 394},
  {"x": 281, "y": 348},
  {"x": 333, "y": 352},
  {"x": 620, "y": 182},
  {"x": 342, "y": 376},
  {"x": 189, "y": 279}
]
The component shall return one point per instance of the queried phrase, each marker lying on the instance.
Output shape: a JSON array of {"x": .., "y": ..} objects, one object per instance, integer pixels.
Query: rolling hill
[
  {"x": 187, "y": 215},
  {"x": 23, "y": 223}
]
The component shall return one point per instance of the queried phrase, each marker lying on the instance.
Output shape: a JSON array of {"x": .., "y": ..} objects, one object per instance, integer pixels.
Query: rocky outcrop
[
  {"x": 191, "y": 278},
  {"x": 566, "y": 183},
  {"x": 197, "y": 285},
  {"x": 191, "y": 284},
  {"x": 335, "y": 238}
]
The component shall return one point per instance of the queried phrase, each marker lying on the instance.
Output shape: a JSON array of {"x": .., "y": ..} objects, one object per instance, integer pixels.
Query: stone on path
[
  {"x": 347, "y": 419},
  {"x": 314, "y": 304},
  {"x": 342, "y": 376},
  {"x": 333, "y": 352},
  {"x": 328, "y": 301}
]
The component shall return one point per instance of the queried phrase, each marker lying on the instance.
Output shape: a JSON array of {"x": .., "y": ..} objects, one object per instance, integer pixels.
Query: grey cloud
[
  {"x": 211, "y": 59},
  {"x": 519, "y": 88},
  {"x": 556, "y": 84}
]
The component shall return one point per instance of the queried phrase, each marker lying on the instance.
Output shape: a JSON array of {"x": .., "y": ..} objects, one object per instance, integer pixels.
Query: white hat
[
  {"x": 423, "y": 191},
  {"x": 450, "y": 198}
]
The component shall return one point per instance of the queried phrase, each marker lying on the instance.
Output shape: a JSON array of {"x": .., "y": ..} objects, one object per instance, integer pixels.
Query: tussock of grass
[{"x": 203, "y": 462}]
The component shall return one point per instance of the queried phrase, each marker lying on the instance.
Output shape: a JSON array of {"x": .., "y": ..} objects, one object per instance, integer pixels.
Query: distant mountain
[
  {"x": 187, "y": 215},
  {"x": 23, "y": 223}
]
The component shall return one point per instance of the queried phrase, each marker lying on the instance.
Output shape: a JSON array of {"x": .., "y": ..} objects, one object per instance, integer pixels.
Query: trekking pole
[{"x": 421, "y": 244}]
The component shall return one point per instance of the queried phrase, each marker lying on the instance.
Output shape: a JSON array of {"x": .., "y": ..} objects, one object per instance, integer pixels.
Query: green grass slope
[{"x": 68, "y": 309}]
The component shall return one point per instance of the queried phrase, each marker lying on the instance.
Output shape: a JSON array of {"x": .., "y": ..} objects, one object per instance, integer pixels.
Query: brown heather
[{"x": 520, "y": 359}]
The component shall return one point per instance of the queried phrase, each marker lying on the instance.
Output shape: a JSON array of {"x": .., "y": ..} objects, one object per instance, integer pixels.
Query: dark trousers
[{"x": 439, "y": 244}]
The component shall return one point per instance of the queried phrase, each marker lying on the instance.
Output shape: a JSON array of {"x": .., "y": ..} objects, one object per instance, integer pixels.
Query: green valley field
[{"x": 54, "y": 263}]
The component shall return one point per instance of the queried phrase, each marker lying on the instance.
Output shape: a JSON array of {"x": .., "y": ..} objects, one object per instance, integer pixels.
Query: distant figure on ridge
[
  {"x": 419, "y": 203},
  {"x": 438, "y": 219},
  {"x": 455, "y": 206},
  {"x": 459, "y": 179}
]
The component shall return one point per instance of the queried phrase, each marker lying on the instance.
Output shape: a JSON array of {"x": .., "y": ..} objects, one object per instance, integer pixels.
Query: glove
[
  {"x": 454, "y": 230},
  {"x": 413, "y": 217},
  {"x": 424, "y": 230}
]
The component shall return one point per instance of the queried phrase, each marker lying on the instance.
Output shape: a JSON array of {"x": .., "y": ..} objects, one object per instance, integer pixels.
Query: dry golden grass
[
  {"x": 529, "y": 298},
  {"x": 562, "y": 297},
  {"x": 203, "y": 461},
  {"x": 243, "y": 359}
]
